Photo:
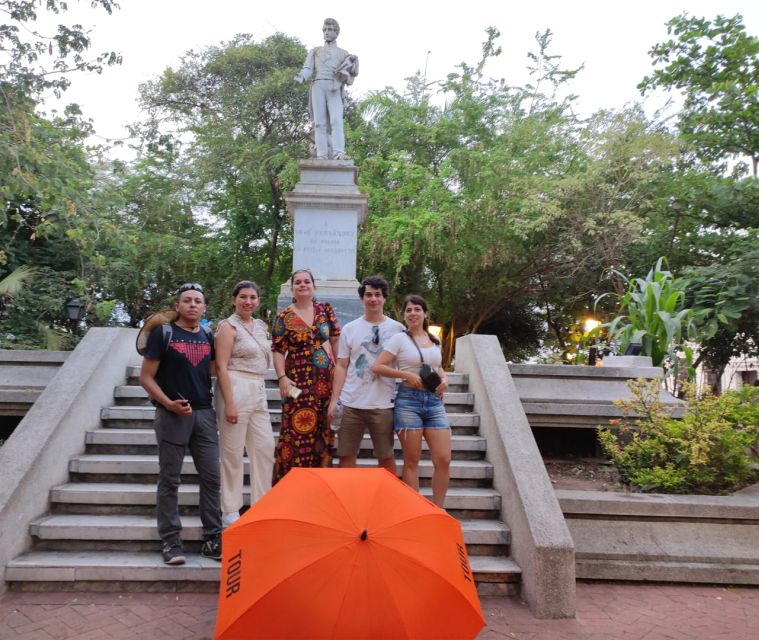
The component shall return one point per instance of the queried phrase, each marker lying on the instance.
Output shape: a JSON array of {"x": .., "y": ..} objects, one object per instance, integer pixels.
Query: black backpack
[{"x": 163, "y": 318}]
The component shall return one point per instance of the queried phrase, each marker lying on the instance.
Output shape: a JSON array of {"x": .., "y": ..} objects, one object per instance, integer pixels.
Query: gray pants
[{"x": 175, "y": 434}]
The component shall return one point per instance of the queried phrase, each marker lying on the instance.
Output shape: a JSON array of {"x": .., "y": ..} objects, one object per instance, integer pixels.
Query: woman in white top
[
  {"x": 418, "y": 411},
  {"x": 243, "y": 355}
]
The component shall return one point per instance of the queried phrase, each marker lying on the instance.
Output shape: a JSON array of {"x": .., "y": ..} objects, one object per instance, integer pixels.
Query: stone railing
[
  {"x": 36, "y": 456},
  {"x": 540, "y": 540}
]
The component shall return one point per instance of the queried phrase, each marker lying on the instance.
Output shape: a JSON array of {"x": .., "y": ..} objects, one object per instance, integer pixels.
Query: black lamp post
[{"x": 75, "y": 310}]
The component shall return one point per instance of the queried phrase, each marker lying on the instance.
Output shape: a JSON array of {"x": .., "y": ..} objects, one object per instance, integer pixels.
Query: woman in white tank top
[{"x": 418, "y": 412}]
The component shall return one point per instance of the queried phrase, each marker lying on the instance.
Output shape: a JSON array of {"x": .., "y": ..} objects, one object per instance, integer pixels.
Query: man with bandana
[{"x": 176, "y": 372}]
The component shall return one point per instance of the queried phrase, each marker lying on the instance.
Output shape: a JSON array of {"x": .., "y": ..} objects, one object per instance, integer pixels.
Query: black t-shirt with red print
[{"x": 185, "y": 365}]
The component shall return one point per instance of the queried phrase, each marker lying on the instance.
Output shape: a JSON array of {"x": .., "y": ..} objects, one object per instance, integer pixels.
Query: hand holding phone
[{"x": 181, "y": 406}]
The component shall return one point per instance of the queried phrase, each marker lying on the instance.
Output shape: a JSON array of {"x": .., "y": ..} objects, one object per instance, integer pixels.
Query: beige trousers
[{"x": 252, "y": 432}]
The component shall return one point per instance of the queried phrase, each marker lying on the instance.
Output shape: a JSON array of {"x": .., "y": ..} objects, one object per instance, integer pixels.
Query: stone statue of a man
[{"x": 334, "y": 68}]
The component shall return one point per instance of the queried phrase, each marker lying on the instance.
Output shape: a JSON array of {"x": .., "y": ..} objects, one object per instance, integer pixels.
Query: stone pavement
[{"x": 604, "y": 612}]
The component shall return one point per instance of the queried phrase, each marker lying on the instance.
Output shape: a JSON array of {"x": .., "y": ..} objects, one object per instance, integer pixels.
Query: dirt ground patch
[
  {"x": 597, "y": 474},
  {"x": 584, "y": 474}
]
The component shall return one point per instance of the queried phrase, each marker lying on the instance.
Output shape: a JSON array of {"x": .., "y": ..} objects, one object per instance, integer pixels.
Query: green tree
[
  {"x": 46, "y": 180},
  {"x": 12, "y": 284},
  {"x": 32, "y": 61},
  {"x": 248, "y": 125},
  {"x": 716, "y": 66},
  {"x": 499, "y": 203},
  {"x": 47, "y": 186},
  {"x": 712, "y": 239},
  {"x": 42, "y": 162},
  {"x": 726, "y": 292},
  {"x": 36, "y": 318},
  {"x": 612, "y": 192}
]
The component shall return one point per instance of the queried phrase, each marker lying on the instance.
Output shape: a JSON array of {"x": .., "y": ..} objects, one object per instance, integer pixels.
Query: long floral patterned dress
[{"x": 305, "y": 439}]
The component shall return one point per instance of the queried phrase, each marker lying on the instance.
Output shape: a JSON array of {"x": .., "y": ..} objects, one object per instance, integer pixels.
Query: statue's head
[{"x": 332, "y": 24}]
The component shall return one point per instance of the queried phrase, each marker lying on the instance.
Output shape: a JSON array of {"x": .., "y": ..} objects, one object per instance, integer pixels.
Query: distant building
[{"x": 738, "y": 372}]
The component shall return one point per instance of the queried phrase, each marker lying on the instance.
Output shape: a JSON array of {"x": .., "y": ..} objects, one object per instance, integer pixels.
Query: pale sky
[{"x": 392, "y": 40}]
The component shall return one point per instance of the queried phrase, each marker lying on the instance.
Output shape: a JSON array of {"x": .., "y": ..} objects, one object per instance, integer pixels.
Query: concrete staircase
[{"x": 100, "y": 532}]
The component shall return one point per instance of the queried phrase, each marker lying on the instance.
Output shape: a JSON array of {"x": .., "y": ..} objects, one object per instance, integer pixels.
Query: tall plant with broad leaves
[{"x": 652, "y": 313}]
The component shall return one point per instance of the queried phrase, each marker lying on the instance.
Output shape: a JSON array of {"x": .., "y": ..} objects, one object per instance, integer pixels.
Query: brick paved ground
[{"x": 604, "y": 612}]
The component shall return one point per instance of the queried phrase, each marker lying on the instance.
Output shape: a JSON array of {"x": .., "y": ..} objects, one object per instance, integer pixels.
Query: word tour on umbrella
[
  {"x": 464, "y": 563},
  {"x": 234, "y": 569}
]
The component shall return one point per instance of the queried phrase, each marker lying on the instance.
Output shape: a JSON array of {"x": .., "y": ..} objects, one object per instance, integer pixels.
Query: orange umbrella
[{"x": 346, "y": 553}]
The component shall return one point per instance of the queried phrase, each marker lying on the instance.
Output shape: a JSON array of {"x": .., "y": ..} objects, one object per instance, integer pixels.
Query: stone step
[
  {"x": 576, "y": 415},
  {"x": 145, "y": 438},
  {"x": 142, "y": 416},
  {"x": 125, "y": 494},
  {"x": 143, "y": 527},
  {"x": 131, "y": 393},
  {"x": 101, "y": 532},
  {"x": 668, "y": 571},
  {"x": 133, "y": 373},
  {"x": 666, "y": 540},
  {"x": 101, "y": 570},
  {"x": 115, "y": 464}
]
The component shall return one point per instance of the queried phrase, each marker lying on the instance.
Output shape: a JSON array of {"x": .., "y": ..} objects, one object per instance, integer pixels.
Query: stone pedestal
[
  {"x": 326, "y": 208},
  {"x": 627, "y": 361}
]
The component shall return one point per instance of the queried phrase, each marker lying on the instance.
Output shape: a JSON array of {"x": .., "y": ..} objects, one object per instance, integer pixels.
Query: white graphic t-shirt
[{"x": 361, "y": 342}]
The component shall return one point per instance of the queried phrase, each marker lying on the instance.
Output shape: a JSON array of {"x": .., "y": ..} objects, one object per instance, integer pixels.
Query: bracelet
[{"x": 284, "y": 375}]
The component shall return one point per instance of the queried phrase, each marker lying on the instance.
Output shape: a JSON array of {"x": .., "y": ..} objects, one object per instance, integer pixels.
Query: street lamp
[
  {"x": 590, "y": 324},
  {"x": 75, "y": 309}
]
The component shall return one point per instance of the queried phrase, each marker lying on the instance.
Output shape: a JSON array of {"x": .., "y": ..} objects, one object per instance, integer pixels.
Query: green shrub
[{"x": 708, "y": 450}]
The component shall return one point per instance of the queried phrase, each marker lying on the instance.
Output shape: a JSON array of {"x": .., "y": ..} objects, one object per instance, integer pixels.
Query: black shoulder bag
[{"x": 430, "y": 378}]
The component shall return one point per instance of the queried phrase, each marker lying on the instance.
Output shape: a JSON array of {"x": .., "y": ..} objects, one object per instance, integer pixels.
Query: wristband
[{"x": 284, "y": 375}]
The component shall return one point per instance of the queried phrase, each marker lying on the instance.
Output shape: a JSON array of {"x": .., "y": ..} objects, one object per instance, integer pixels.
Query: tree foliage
[
  {"x": 495, "y": 201},
  {"x": 47, "y": 182},
  {"x": 43, "y": 167},
  {"x": 725, "y": 292},
  {"x": 514, "y": 203},
  {"x": 32, "y": 61},
  {"x": 716, "y": 66},
  {"x": 470, "y": 185},
  {"x": 247, "y": 125}
]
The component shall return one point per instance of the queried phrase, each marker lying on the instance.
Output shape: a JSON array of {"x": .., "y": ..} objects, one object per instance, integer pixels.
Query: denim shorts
[{"x": 418, "y": 409}]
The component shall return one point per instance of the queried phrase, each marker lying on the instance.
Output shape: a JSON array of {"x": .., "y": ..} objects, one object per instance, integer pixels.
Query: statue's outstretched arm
[{"x": 308, "y": 68}]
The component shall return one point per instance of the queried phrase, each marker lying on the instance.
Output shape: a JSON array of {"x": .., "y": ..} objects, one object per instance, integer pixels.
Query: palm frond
[{"x": 11, "y": 284}]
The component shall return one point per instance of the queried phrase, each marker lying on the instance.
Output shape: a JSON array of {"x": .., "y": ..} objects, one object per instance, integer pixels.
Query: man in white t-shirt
[{"x": 367, "y": 399}]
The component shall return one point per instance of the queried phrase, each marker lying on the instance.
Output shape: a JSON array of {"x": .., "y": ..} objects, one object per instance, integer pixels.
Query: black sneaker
[
  {"x": 212, "y": 548},
  {"x": 173, "y": 553}
]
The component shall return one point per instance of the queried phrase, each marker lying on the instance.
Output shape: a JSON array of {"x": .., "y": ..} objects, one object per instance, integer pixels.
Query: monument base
[
  {"x": 326, "y": 208},
  {"x": 341, "y": 294},
  {"x": 627, "y": 361}
]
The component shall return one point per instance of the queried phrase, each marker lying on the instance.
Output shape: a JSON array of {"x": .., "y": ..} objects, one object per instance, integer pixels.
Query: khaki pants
[{"x": 252, "y": 432}]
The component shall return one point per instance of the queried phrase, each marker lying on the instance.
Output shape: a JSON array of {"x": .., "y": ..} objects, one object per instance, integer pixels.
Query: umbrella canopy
[{"x": 346, "y": 553}]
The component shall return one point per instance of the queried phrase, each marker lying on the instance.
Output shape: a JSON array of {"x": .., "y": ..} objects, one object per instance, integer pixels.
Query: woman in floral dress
[{"x": 303, "y": 361}]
